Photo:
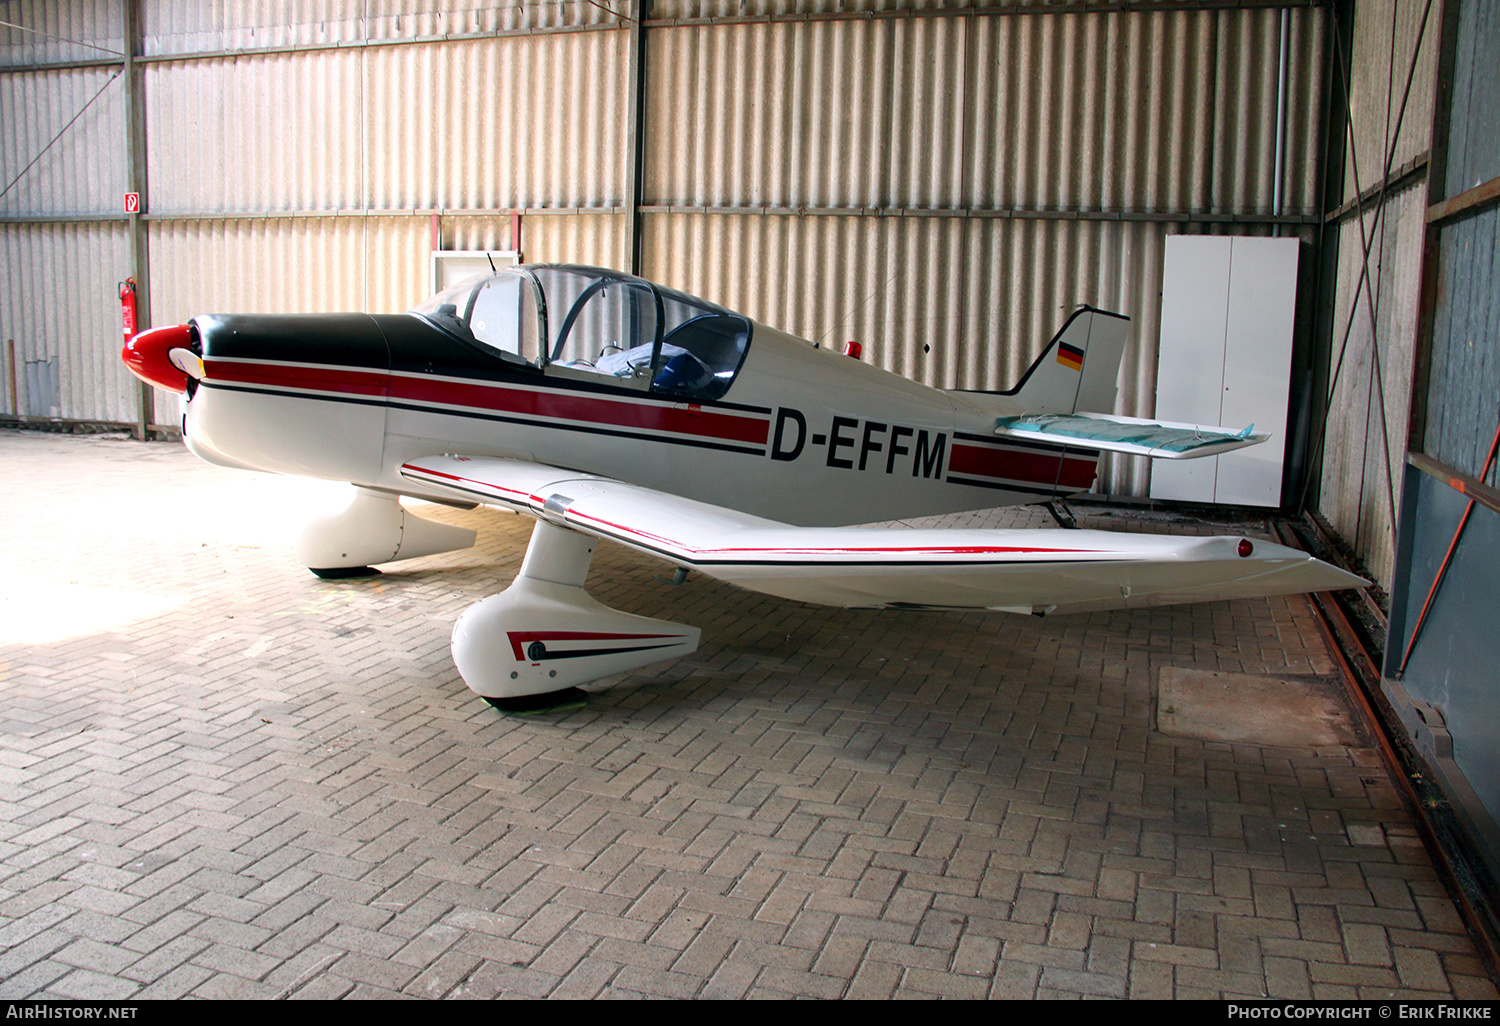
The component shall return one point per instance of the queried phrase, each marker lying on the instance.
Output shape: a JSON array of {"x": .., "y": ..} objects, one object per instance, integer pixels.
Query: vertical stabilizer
[{"x": 1078, "y": 369}]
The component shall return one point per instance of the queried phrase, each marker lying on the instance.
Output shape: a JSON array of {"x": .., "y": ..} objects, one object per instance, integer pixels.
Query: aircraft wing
[
  {"x": 1161, "y": 439},
  {"x": 1041, "y": 570}
]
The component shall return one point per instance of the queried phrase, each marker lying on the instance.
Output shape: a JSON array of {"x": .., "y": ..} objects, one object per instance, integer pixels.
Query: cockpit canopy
[{"x": 591, "y": 324}]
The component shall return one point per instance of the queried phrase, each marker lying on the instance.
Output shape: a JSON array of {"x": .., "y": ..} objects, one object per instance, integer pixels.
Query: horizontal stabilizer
[
  {"x": 1032, "y": 570},
  {"x": 1161, "y": 439}
]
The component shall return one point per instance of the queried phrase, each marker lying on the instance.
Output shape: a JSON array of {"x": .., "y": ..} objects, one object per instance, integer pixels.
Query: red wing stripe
[
  {"x": 929, "y": 550},
  {"x": 465, "y": 480},
  {"x": 688, "y": 550},
  {"x": 798, "y": 551}
]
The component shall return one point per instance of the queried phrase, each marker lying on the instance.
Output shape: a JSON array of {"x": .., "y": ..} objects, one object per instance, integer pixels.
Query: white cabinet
[{"x": 1228, "y": 309}]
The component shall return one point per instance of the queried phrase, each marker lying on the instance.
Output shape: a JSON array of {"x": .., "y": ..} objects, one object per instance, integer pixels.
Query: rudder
[{"x": 1078, "y": 369}]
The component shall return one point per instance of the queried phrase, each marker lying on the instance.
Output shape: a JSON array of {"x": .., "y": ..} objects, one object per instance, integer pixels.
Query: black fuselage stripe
[
  {"x": 1002, "y": 486},
  {"x": 582, "y": 652}
]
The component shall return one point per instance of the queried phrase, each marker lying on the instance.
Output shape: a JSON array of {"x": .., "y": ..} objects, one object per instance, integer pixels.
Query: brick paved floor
[{"x": 222, "y": 777}]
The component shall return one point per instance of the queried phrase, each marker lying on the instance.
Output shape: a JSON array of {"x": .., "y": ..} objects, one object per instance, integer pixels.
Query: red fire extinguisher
[{"x": 127, "y": 307}]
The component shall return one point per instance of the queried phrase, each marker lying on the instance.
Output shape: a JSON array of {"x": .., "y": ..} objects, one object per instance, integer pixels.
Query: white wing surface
[{"x": 1013, "y": 570}]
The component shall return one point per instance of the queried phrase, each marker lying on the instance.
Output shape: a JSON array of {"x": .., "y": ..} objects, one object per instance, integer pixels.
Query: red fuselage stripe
[
  {"x": 584, "y": 408},
  {"x": 322, "y": 379},
  {"x": 1011, "y": 465},
  {"x": 677, "y": 419}
]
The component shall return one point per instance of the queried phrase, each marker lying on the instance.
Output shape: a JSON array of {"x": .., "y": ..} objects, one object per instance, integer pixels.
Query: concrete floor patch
[{"x": 1248, "y": 708}]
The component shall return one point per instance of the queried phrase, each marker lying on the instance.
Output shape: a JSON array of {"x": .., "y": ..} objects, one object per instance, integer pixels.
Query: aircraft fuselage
[{"x": 804, "y": 435}]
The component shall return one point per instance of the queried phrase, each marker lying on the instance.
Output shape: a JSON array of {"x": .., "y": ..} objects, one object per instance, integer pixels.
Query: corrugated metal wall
[
  {"x": 1378, "y": 283},
  {"x": 943, "y": 185},
  {"x": 1385, "y": 42},
  {"x": 514, "y": 121},
  {"x": 192, "y": 26},
  {"x": 1366, "y": 437},
  {"x": 1464, "y": 379},
  {"x": 57, "y": 302},
  {"x": 84, "y": 171},
  {"x": 1164, "y": 111},
  {"x": 1441, "y": 649},
  {"x": 77, "y": 30}
]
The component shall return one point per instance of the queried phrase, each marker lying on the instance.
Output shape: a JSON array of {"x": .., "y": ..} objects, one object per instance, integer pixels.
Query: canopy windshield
[{"x": 598, "y": 325}]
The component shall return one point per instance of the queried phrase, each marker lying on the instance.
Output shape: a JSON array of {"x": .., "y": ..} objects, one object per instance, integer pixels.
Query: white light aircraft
[{"x": 605, "y": 406}]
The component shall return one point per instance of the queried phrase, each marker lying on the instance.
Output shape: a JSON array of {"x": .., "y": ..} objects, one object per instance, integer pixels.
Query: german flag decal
[{"x": 1069, "y": 356}]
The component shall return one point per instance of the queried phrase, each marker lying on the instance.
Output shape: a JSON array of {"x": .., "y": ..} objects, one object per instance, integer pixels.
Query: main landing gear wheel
[
  {"x": 565, "y": 701},
  {"x": 375, "y": 528},
  {"x": 340, "y": 573},
  {"x": 528, "y": 648}
]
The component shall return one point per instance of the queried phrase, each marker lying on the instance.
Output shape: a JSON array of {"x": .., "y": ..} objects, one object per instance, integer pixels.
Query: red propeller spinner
[{"x": 163, "y": 357}]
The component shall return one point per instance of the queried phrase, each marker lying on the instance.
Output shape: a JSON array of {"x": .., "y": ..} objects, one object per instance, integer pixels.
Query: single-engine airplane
[{"x": 606, "y": 406}]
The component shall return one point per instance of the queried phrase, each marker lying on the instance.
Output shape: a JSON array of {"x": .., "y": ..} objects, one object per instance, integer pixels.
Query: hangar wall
[
  {"x": 1441, "y": 650},
  {"x": 1385, "y": 69},
  {"x": 940, "y": 181}
]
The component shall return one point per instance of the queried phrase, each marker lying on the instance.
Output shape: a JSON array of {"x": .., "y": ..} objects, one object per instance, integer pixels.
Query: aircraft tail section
[{"x": 1078, "y": 369}]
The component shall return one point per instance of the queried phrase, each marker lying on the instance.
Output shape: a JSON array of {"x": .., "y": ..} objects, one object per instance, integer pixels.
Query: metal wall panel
[
  {"x": 328, "y": 264},
  {"x": 1474, "y": 133},
  {"x": 58, "y": 300},
  {"x": 1245, "y": 79},
  {"x": 287, "y": 265},
  {"x": 807, "y": 114},
  {"x": 1385, "y": 38},
  {"x": 512, "y": 122},
  {"x": 1464, "y": 379},
  {"x": 1452, "y": 664},
  {"x": 1056, "y": 125},
  {"x": 277, "y": 132},
  {"x": 191, "y": 26},
  {"x": 476, "y": 232},
  {"x": 84, "y": 171},
  {"x": 1032, "y": 112},
  {"x": 1442, "y": 648},
  {"x": 507, "y": 122},
  {"x": 64, "y": 30},
  {"x": 674, "y": 9},
  {"x": 1366, "y": 434},
  {"x": 596, "y": 239}
]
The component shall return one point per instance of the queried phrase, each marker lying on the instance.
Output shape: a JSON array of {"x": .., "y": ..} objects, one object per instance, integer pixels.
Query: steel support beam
[
  {"x": 635, "y": 143},
  {"x": 135, "y": 181}
]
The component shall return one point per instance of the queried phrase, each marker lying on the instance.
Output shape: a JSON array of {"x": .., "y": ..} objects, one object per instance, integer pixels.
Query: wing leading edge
[
  {"x": 1043, "y": 570},
  {"x": 1159, "y": 439}
]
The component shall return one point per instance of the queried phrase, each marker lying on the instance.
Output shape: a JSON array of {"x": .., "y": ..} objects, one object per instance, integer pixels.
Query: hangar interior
[{"x": 940, "y": 181}]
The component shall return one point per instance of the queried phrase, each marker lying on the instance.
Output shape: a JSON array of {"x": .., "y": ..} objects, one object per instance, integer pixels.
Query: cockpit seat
[
  {"x": 683, "y": 371},
  {"x": 622, "y": 364}
]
